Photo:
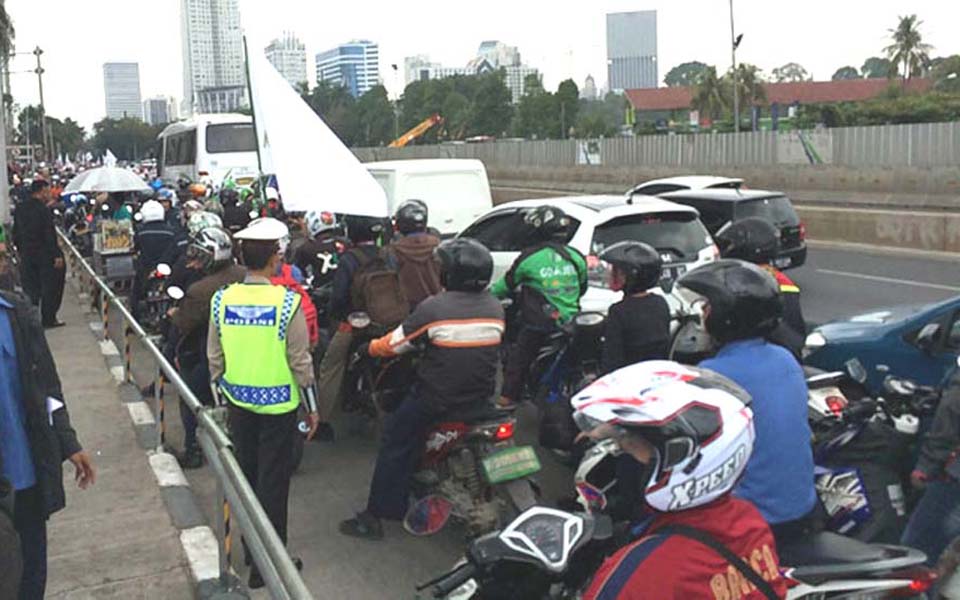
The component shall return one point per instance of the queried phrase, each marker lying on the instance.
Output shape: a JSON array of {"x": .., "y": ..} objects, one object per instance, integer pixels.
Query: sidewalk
[{"x": 114, "y": 540}]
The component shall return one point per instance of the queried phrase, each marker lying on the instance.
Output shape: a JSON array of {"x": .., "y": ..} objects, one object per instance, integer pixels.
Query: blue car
[{"x": 921, "y": 343}]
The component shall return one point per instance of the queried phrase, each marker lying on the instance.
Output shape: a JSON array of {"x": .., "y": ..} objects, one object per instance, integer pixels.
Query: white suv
[{"x": 599, "y": 222}]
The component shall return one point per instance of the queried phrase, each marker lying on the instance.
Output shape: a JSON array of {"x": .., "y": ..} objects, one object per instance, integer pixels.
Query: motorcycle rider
[
  {"x": 551, "y": 277},
  {"x": 741, "y": 306},
  {"x": 317, "y": 257},
  {"x": 413, "y": 252},
  {"x": 236, "y": 214},
  {"x": 155, "y": 243},
  {"x": 363, "y": 233},
  {"x": 935, "y": 521},
  {"x": 757, "y": 241},
  {"x": 459, "y": 330},
  {"x": 638, "y": 327},
  {"x": 694, "y": 431},
  {"x": 211, "y": 251}
]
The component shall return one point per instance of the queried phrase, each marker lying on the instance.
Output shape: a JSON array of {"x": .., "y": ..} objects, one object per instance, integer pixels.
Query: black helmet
[
  {"x": 640, "y": 262},
  {"x": 548, "y": 223},
  {"x": 465, "y": 265},
  {"x": 229, "y": 196},
  {"x": 411, "y": 216},
  {"x": 752, "y": 239},
  {"x": 363, "y": 229},
  {"x": 744, "y": 299}
]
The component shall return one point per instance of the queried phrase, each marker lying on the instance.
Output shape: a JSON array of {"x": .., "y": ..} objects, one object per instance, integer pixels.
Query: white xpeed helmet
[
  {"x": 699, "y": 423},
  {"x": 152, "y": 211},
  {"x": 211, "y": 246},
  {"x": 320, "y": 221},
  {"x": 200, "y": 220}
]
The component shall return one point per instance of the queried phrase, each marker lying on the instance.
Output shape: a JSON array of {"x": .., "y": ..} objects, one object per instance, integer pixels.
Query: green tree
[
  {"x": 538, "y": 113},
  {"x": 709, "y": 96},
  {"x": 68, "y": 135},
  {"x": 128, "y": 139},
  {"x": 601, "y": 118},
  {"x": 877, "y": 67},
  {"x": 335, "y": 106},
  {"x": 946, "y": 74},
  {"x": 374, "y": 117},
  {"x": 29, "y": 125},
  {"x": 908, "y": 53},
  {"x": 790, "y": 72},
  {"x": 844, "y": 73},
  {"x": 457, "y": 115},
  {"x": 568, "y": 103},
  {"x": 492, "y": 107},
  {"x": 685, "y": 74}
]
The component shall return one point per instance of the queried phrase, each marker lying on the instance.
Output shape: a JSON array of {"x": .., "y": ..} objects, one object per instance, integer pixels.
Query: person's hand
[
  {"x": 85, "y": 475},
  {"x": 313, "y": 420},
  {"x": 171, "y": 311},
  {"x": 919, "y": 479},
  {"x": 58, "y": 262}
]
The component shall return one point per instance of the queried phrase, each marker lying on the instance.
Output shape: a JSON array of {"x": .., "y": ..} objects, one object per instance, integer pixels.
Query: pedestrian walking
[
  {"x": 42, "y": 268},
  {"x": 35, "y": 436}
]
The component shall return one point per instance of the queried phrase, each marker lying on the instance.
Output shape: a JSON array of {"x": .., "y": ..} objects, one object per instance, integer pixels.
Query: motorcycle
[
  {"x": 471, "y": 470},
  {"x": 373, "y": 386},
  {"x": 547, "y": 553},
  {"x": 155, "y": 302}
]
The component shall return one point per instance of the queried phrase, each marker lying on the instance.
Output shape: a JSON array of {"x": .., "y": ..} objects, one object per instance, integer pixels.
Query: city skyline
[
  {"x": 289, "y": 56},
  {"x": 573, "y": 46},
  {"x": 121, "y": 90}
]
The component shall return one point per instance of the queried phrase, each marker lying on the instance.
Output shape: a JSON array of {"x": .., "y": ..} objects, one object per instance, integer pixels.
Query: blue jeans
[
  {"x": 31, "y": 523},
  {"x": 936, "y": 520},
  {"x": 401, "y": 446}
]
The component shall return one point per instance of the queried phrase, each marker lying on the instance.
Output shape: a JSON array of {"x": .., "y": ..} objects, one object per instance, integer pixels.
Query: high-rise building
[
  {"x": 159, "y": 110},
  {"x": 121, "y": 90},
  {"x": 589, "y": 89},
  {"x": 491, "y": 56},
  {"x": 289, "y": 56},
  {"x": 354, "y": 65},
  {"x": 213, "y": 64},
  {"x": 632, "y": 50}
]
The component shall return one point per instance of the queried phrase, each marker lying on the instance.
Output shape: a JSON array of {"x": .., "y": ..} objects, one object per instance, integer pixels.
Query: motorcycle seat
[
  {"x": 824, "y": 555},
  {"x": 476, "y": 413}
]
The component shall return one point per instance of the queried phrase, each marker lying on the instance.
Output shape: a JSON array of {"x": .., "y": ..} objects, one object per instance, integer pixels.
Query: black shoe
[
  {"x": 325, "y": 433},
  {"x": 148, "y": 391},
  {"x": 255, "y": 582},
  {"x": 53, "y": 325},
  {"x": 191, "y": 458},
  {"x": 364, "y": 525}
]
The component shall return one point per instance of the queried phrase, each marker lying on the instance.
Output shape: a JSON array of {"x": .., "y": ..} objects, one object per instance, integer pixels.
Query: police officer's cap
[{"x": 265, "y": 229}]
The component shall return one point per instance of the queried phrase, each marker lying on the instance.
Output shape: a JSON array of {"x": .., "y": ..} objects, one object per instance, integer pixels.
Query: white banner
[
  {"x": 314, "y": 170},
  {"x": 109, "y": 159}
]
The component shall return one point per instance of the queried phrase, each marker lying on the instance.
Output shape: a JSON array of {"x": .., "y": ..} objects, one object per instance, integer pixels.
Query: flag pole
[{"x": 253, "y": 115}]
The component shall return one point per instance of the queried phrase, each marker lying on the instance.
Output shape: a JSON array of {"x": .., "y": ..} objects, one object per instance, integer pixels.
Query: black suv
[{"x": 717, "y": 207}]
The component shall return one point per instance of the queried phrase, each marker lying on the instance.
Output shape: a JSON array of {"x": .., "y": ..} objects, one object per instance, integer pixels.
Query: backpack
[
  {"x": 376, "y": 290},
  {"x": 285, "y": 278}
]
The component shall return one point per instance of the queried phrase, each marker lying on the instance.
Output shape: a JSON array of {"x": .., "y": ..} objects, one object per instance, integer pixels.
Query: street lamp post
[
  {"x": 43, "y": 111},
  {"x": 736, "y": 91}
]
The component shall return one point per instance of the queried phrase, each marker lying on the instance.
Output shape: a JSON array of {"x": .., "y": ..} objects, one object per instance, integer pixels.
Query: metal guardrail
[{"x": 235, "y": 495}]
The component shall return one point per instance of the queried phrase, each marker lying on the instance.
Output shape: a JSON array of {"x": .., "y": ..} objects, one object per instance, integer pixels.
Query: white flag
[
  {"x": 314, "y": 169},
  {"x": 109, "y": 160}
]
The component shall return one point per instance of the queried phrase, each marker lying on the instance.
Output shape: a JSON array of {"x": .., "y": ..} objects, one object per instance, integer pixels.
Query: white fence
[{"x": 917, "y": 145}]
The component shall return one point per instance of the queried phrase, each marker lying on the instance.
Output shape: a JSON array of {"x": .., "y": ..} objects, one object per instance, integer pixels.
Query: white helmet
[
  {"x": 318, "y": 222},
  {"x": 266, "y": 229},
  {"x": 211, "y": 246},
  {"x": 698, "y": 422},
  {"x": 201, "y": 220},
  {"x": 272, "y": 193},
  {"x": 152, "y": 211}
]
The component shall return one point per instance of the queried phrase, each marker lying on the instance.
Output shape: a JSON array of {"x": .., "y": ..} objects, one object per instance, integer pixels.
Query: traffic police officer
[{"x": 259, "y": 354}]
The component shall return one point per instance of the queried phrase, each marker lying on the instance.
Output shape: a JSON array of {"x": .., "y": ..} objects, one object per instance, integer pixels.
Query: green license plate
[{"x": 510, "y": 464}]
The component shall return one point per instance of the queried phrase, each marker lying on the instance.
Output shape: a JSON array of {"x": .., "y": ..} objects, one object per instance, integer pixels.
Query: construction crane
[{"x": 419, "y": 130}]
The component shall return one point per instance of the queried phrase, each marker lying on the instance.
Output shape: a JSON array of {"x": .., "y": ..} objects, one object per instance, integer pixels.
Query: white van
[
  {"x": 208, "y": 145},
  {"x": 456, "y": 191}
]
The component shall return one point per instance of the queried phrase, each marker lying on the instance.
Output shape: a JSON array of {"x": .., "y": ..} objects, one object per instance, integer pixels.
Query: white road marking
[
  {"x": 203, "y": 553},
  {"x": 108, "y": 348},
  {"x": 117, "y": 373},
  {"x": 933, "y": 286},
  {"x": 96, "y": 326},
  {"x": 140, "y": 413},
  {"x": 167, "y": 470}
]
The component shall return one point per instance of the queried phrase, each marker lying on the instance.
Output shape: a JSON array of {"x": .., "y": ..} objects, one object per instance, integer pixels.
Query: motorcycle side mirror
[
  {"x": 175, "y": 292},
  {"x": 927, "y": 338},
  {"x": 253, "y": 214},
  {"x": 506, "y": 303},
  {"x": 138, "y": 217},
  {"x": 666, "y": 285},
  {"x": 56, "y": 211},
  {"x": 164, "y": 269},
  {"x": 856, "y": 370}
]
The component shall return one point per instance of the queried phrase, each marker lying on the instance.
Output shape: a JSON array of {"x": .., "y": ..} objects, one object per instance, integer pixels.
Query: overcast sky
[{"x": 562, "y": 39}]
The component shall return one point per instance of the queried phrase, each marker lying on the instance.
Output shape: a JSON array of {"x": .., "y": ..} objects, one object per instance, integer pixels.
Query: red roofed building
[{"x": 669, "y": 99}]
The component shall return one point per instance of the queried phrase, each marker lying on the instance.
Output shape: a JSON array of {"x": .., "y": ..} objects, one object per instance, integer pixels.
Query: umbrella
[{"x": 107, "y": 179}]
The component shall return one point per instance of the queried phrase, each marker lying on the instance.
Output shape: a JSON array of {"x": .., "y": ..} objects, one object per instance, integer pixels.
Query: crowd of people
[{"x": 248, "y": 333}]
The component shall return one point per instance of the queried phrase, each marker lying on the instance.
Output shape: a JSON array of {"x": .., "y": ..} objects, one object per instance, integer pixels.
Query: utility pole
[
  {"x": 43, "y": 111},
  {"x": 4, "y": 90},
  {"x": 736, "y": 91}
]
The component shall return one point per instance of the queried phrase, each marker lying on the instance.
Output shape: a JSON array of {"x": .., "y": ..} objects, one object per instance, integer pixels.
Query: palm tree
[
  {"x": 908, "y": 52},
  {"x": 708, "y": 95}
]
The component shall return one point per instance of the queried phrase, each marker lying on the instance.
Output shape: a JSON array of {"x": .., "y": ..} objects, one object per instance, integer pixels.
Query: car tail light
[
  {"x": 921, "y": 580},
  {"x": 803, "y": 231},
  {"x": 836, "y": 404},
  {"x": 504, "y": 431},
  {"x": 203, "y": 173}
]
